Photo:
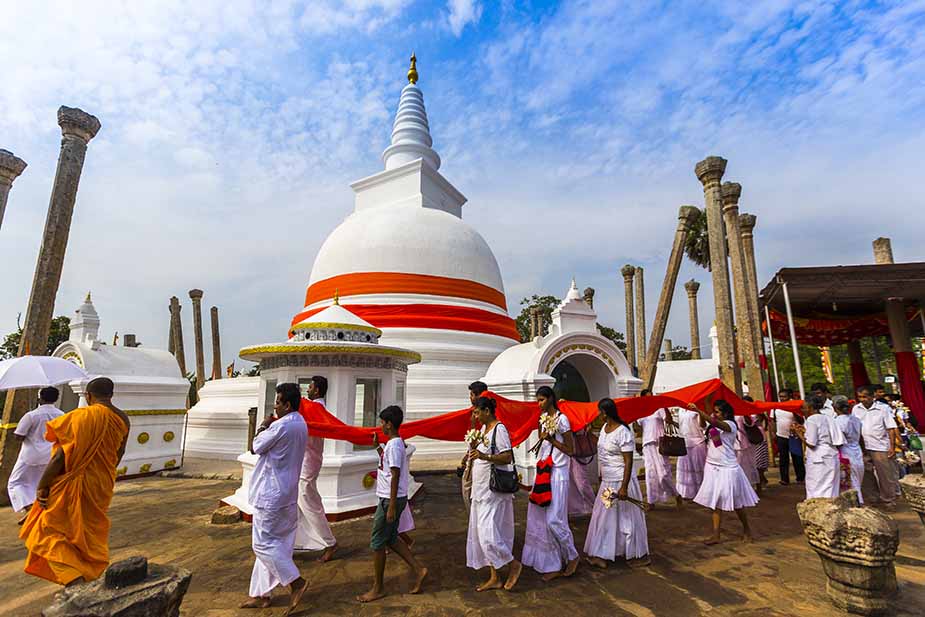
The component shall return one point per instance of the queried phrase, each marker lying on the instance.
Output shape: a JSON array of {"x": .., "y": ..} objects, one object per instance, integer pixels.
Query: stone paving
[{"x": 167, "y": 520}]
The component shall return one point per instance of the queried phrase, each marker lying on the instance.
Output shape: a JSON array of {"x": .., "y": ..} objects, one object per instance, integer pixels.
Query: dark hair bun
[{"x": 483, "y": 402}]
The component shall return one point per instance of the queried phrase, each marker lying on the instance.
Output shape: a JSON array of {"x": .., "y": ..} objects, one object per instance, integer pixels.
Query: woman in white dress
[
  {"x": 725, "y": 487},
  {"x": 850, "y": 427},
  {"x": 548, "y": 543},
  {"x": 619, "y": 529},
  {"x": 822, "y": 437},
  {"x": 690, "y": 467},
  {"x": 659, "y": 481},
  {"x": 491, "y": 514}
]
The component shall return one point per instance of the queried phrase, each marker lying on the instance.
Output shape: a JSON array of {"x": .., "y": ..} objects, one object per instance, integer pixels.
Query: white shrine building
[{"x": 148, "y": 388}]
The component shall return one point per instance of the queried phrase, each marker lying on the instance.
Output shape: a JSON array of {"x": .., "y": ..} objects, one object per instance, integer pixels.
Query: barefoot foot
[
  {"x": 371, "y": 596},
  {"x": 639, "y": 562},
  {"x": 492, "y": 583},
  {"x": 513, "y": 575},
  {"x": 597, "y": 562},
  {"x": 328, "y": 554},
  {"x": 570, "y": 568},
  {"x": 259, "y": 602},
  {"x": 712, "y": 540},
  {"x": 297, "y": 588},
  {"x": 420, "y": 581},
  {"x": 549, "y": 576}
]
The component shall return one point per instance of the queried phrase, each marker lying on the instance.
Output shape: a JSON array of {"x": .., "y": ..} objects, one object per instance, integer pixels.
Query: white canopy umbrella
[{"x": 37, "y": 372}]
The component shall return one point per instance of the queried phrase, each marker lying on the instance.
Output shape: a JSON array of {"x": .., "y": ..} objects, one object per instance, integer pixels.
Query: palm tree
[{"x": 697, "y": 246}]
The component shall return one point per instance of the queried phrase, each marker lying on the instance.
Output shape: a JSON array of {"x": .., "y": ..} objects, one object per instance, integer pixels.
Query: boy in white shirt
[
  {"x": 392, "y": 491},
  {"x": 34, "y": 453}
]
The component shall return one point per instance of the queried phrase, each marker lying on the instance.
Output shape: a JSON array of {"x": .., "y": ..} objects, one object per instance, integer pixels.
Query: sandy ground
[{"x": 167, "y": 520}]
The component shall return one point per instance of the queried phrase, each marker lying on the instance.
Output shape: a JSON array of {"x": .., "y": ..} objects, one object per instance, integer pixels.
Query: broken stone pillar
[
  {"x": 640, "y": 319},
  {"x": 129, "y": 588},
  {"x": 692, "y": 287},
  {"x": 710, "y": 172},
  {"x": 176, "y": 333},
  {"x": 10, "y": 168},
  {"x": 913, "y": 488},
  {"x": 77, "y": 129},
  {"x": 686, "y": 217},
  {"x": 669, "y": 350},
  {"x": 744, "y": 309},
  {"x": 628, "y": 271},
  {"x": 857, "y": 546},
  {"x": 747, "y": 229},
  {"x": 534, "y": 332},
  {"x": 216, "y": 345},
  {"x": 883, "y": 251},
  {"x": 588, "y": 297},
  {"x": 196, "y": 296}
]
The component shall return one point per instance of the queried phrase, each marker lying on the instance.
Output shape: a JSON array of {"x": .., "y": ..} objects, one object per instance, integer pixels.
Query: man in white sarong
[
  {"x": 274, "y": 491},
  {"x": 314, "y": 533},
  {"x": 34, "y": 453}
]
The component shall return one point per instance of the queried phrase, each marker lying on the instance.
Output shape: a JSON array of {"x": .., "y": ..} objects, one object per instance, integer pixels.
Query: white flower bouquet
[
  {"x": 475, "y": 436},
  {"x": 610, "y": 497},
  {"x": 548, "y": 423}
]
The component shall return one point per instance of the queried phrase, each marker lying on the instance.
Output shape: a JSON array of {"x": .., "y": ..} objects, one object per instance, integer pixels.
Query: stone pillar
[
  {"x": 883, "y": 251},
  {"x": 747, "y": 229},
  {"x": 196, "y": 296},
  {"x": 686, "y": 217},
  {"x": 640, "y": 319},
  {"x": 669, "y": 350},
  {"x": 176, "y": 329},
  {"x": 534, "y": 323},
  {"x": 10, "y": 168},
  {"x": 744, "y": 309},
  {"x": 628, "y": 271},
  {"x": 77, "y": 129},
  {"x": 588, "y": 296},
  {"x": 216, "y": 345},
  {"x": 710, "y": 172},
  {"x": 692, "y": 287}
]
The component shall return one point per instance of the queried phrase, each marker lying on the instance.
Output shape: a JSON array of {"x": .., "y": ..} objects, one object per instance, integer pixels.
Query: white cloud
[{"x": 461, "y": 13}]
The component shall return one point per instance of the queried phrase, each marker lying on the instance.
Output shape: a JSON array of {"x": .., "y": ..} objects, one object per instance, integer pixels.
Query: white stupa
[{"x": 406, "y": 262}]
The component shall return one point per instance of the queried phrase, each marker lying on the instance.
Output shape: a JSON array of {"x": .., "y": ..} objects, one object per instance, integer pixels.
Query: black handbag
[
  {"x": 502, "y": 481},
  {"x": 672, "y": 444}
]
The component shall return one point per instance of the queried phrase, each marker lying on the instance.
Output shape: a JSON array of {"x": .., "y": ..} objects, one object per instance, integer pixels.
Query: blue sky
[{"x": 232, "y": 129}]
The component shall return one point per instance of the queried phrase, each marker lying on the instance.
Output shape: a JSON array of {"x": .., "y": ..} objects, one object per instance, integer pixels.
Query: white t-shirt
[
  {"x": 783, "y": 420},
  {"x": 723, "y": 455},
  {"x": 559, "y": 458},
  {"x": 610, "y": 449},
  {"x": 689, "y": 423},
  {"x": 393, "y": 455},
  {"x": 875, "y": 428},
  {"x": 822, "y": 438},
  {"x": 652, "y": 426},
  {"x": 481, "y": 470},
  {"x": 35, "y": 450}
]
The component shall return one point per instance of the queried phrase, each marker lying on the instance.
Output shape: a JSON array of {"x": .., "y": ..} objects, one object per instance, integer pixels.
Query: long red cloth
[
  {"x": 522, "y": 417},
  {"x": 907, "y": 369}
]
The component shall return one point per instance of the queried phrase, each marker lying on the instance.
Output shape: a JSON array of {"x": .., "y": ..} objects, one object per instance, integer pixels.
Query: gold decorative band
[
  {"x": 155, "y": 412},
  {"x": 331, "y": 349}
]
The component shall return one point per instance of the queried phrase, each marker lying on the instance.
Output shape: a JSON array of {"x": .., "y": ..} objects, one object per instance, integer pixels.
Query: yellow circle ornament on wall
[
  {"x": 168, "y": 436},
  {"x": 369, "y": 480},
  {"x": 170, "y": 464},
  {"x": 143, "y": 437},
  {"x": 145, "y": 468},
  {"x": 121, "y": 471}
]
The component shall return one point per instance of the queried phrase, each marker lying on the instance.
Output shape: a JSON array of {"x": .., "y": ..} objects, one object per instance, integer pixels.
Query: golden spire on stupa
[
  {"x": 413, "y": 71},
  {"x": 336, "y": 298}
]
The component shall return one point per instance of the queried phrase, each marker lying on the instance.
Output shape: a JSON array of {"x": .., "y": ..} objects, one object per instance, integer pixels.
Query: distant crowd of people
[{"x": 64, "y": 479}]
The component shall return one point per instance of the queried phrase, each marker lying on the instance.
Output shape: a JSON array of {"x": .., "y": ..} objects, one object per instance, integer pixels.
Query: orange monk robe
[{"x": 70, "y": 538}]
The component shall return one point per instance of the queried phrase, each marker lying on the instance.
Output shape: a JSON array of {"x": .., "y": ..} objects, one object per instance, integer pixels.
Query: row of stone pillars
[
  {"x": 77, "y": 129},
  {"x": 175, "y": 337}
]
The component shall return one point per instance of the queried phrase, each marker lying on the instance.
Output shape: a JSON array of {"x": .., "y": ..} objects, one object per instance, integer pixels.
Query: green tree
[
  {"x": 613, "y": 335},
  {"x": 60, "y": 331},
  {"x": 680, "y": 352},
  {"x": 697, "y": 245}
]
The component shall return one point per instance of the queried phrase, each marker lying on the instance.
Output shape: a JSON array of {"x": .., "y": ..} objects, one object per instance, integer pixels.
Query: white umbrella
[{"x": 37, "y": 372}]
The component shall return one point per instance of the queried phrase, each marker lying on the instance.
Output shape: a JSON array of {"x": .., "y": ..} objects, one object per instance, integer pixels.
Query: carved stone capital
[
  {"x": 175, "y": 304},
  {"x": 78, "y": 123},
  {"x": 731, "y": 191},
  {"x": 628, "y": 272},
  {"x": 686, "y": 217},
  {"x": 10, "y": 166},
  {"x": 747, "y": 223},
  {"x": 710, "y": 170},
  {"x": 692, "y": 287},
  {"x": 195, "y": 295}
]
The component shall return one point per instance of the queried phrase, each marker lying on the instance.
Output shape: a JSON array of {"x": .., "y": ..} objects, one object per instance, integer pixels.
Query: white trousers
[
  {"x": 273, "y": 538},
  {"x": 313, "y": 533},
  {"x": 24, "y": 479},
  {"x": 548, "y": 543}
]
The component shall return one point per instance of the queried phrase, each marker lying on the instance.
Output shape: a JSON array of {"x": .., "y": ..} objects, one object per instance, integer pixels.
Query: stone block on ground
[
  {"x": 913, "y": 488},
  {"x": 857, "y": 546},
  {"x": 226, "y": 515},
  {"x": 158, "y": 593}
]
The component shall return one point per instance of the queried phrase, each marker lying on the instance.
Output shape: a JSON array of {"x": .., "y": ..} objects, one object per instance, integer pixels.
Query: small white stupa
[{"x": 363, "y": 378}]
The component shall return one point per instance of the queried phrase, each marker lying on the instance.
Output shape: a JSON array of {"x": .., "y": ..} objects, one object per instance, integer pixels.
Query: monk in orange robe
[{"x": 67, "y": 530}]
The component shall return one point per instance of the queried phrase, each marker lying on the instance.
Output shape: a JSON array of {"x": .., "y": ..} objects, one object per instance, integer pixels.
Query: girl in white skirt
[
  {"x": 690, "y": 467},
  {"x": 659, "y": 481},
  {"x": 822, "y": 437},
  {"x": 618, "y": 529},
  {"x": 725, "y": 487},
  {"x": 548, "y": 542},
  {"x": 491, "y": 514},
  {"x": 850, "y": 427}
]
